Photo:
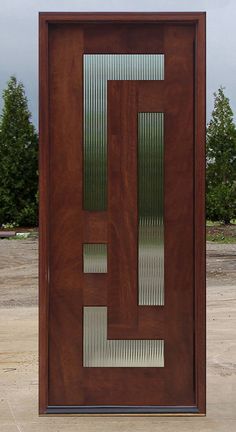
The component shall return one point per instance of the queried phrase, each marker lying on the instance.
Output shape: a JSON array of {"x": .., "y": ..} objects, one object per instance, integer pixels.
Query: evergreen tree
[
  {"x": 18, "y": 159},
  {"x": 221, "y": 161}
]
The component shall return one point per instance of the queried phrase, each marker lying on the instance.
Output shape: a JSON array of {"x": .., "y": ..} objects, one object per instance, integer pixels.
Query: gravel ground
[
  {"x": 221, "y": 264},
  {"x": 18, "y": 273}
]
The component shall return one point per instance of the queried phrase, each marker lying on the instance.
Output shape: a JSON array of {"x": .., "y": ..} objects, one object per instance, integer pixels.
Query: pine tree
[
  {"x": 221, "y": 161},
  {"x": 18, "y": 159}
]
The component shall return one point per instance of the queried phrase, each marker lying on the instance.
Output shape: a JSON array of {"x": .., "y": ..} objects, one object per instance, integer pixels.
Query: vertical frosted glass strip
[
  {"x": 98, "y": 351},
  {"x": 150, "y": 201},
  {"x": 98, "y": 68},
  {"x": 95, "y": 258}
]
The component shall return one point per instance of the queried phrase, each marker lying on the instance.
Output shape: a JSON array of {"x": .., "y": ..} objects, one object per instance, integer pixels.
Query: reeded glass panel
[
  {"x": 150, "y": 202},
  {"x": 98, "y": 68},
  {"x": 98, "y": 351},
  {"x": 95, "y": 258}
]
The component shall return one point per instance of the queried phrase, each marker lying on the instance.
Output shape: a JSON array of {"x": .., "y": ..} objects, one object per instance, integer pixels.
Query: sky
[{"x": 19, "y": 39}]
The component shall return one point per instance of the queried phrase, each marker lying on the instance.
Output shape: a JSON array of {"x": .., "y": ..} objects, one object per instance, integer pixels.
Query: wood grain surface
[{"x": 65, "y": 226}]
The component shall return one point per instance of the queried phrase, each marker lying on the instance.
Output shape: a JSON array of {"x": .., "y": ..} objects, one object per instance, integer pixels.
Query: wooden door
[{"x": 122, "y": 248}]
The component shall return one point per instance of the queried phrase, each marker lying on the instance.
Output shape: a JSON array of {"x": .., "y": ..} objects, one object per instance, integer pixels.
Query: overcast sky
[{"x": 19, "y": 38}]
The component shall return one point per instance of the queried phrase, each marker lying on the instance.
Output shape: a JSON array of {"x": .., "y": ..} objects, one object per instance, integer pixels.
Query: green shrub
[
  {"x": 18, "y": 159},
  {"x": 221, "y": 162}
]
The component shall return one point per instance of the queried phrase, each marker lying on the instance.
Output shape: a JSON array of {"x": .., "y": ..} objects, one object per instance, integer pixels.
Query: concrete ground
[{"x": 18, "y": 351}]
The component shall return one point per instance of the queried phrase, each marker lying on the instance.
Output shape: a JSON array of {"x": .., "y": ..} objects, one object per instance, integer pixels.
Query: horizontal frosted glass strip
[
  {"x": 98, "y": 68},
  {"x": 95, "y": 258},
  {"x": 98, "y": 351},
  {"x": 150, "y": 200}
]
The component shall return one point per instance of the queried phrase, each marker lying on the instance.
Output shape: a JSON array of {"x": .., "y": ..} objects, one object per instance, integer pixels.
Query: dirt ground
[
  {"x": 18, "y": 273},
  {"x": 221, "y": 264},
  {"x": 18, "y": 350}
]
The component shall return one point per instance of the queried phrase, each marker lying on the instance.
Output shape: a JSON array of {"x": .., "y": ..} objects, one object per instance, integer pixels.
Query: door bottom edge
[{"x": 123, "y": 410}]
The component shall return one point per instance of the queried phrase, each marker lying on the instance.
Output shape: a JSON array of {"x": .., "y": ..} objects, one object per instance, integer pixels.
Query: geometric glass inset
[
  {"x": 97, "y": 70},
  {"x": 98, "y": 351},
  {"x": 151, "y": 208},
  {"x": 95, "y": 258}
]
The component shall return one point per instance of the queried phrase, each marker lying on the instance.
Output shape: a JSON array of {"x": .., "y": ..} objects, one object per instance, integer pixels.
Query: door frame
[{"x": 198, "y": 19}]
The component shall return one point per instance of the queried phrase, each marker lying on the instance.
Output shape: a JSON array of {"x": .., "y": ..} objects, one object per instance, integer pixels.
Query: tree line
[{"x": 19, "y": 160}]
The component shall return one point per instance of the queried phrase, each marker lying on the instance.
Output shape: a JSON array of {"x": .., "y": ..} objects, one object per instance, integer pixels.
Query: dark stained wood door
[{"x": 122, "y": 261}]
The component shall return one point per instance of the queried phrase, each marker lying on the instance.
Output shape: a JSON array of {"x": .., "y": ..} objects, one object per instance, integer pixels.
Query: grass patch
[
  {"x": 219, "y": 238},
  {"x": 220, "y": 233},
  {"x": 24, "y": 236}
]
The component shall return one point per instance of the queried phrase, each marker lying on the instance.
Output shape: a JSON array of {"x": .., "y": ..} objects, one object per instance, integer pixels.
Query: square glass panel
[{"x": 95, "y": 258}]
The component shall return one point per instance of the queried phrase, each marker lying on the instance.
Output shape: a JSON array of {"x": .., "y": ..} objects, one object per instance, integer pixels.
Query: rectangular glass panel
[
  {"x": 150, "y": 206},
  {"x": 95, "y": 258},
  {"x": 98, "y": 68},
  {"x": 98, "y": 351}
]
